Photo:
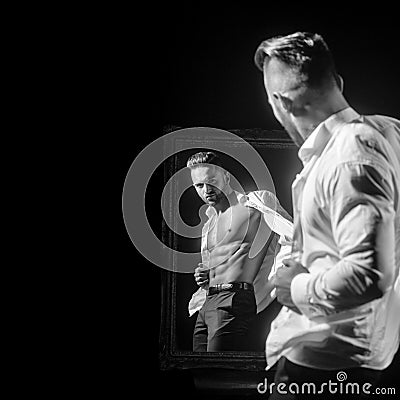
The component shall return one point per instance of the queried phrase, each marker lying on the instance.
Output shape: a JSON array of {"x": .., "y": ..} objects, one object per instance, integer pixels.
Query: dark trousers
[
  {"x": 223, "y": 321},
  {"x": 345, "y": 381}
]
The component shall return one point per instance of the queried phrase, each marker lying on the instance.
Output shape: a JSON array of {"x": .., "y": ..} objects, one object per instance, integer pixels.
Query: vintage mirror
[{"x": 280, "y": 156}]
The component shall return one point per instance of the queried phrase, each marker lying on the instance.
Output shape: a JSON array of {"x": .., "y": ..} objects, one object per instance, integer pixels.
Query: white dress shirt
[{"x": 347, "y": 234}]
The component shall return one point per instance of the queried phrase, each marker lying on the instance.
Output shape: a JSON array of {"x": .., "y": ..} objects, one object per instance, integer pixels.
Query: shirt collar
[{"x": 321, "y": 135}]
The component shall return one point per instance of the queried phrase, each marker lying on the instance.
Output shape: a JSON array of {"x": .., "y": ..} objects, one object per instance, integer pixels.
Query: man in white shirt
[{"x": 340, "y": 290}]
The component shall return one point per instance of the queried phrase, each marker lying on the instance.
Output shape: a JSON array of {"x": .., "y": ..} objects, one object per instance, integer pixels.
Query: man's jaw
[{"x": 211, "y": 199}]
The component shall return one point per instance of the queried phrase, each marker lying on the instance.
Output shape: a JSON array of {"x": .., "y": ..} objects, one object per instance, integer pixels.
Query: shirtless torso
[{"x": 230, "y": 236}]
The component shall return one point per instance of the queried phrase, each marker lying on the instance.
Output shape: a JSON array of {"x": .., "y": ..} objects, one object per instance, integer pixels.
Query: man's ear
[
  {"x": 286, "y": 102},
  {"x": 341, "y": 83},
  {"x": 227, "y": 177}
]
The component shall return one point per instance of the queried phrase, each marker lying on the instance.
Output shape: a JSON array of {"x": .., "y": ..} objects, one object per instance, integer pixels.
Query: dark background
[{"x": 193, "y": 66}]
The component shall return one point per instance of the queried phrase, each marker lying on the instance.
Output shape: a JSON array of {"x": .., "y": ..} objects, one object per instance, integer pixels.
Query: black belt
[{"x": 230, "y": 287}]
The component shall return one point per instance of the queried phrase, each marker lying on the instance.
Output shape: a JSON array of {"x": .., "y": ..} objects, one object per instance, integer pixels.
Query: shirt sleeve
[{"x": 359, "y": 203}]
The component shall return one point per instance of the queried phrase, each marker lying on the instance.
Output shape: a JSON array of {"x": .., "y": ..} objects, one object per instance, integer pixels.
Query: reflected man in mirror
[{"x": 243, "y": 243}]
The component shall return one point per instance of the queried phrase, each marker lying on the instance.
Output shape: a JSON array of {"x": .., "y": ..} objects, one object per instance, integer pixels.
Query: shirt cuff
[{"x": 301, "y": 296}]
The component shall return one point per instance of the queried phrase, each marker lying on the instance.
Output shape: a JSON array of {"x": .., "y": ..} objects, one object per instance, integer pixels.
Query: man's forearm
[{"x": 342, "y": 287}]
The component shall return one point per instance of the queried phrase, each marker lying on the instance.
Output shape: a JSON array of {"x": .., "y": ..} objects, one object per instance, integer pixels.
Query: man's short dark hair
[
  {"x": 305, "y": 53},
  {"x": 203, "y": 157}
]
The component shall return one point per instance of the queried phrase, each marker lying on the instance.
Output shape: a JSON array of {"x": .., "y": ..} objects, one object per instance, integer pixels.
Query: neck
[
  {"x": 321, "y": 110},
  {"x": 227, "y": 201}
]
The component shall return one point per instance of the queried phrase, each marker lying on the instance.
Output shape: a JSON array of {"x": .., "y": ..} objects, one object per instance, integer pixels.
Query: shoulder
[
  {"x": 358, "y": 142},
  {"x": 367, "y": 129},
  {"x": 241, "y": 213},
  {"x": 266, "y": 197},
  {"x": 243, "y": 209},
  {"x": 269, "y": 199},
  {"x": 381, "y": 122},
  {"x": 356, "y": 132}
]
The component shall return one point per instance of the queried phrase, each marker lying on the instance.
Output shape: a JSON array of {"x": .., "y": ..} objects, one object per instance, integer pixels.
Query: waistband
[{"x": 230, "y": 287}]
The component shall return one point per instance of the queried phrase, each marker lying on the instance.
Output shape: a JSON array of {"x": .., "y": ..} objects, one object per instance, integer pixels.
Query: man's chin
[{"x": 211, "y": 200}]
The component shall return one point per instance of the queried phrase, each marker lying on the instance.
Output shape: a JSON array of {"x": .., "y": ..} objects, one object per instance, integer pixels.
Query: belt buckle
[{"x": 226, "y": 286}]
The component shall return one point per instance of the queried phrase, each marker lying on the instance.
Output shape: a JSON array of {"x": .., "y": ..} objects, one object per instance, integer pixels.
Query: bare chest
[{"x": 228, "y": 226}]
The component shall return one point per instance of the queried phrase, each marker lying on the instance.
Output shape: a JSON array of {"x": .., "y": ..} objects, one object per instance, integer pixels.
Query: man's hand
[
  {"x": 283, "y": 280},
  {"x": 201, "y": 276}
]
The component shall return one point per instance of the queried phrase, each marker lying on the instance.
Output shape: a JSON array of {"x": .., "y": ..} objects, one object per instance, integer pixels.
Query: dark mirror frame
[{"x": 170, "y": 356}]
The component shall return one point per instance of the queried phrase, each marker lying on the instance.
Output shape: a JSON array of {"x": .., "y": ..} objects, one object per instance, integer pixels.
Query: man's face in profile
[{"x": 210, "y": 182}]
